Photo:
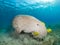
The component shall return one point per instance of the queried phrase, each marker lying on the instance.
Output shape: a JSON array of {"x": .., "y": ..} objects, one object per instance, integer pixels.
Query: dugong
[{"x": 29, "y": 24}]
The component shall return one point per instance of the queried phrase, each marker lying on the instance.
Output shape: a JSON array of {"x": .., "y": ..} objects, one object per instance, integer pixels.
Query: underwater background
[{"x": 47, "y": 11}]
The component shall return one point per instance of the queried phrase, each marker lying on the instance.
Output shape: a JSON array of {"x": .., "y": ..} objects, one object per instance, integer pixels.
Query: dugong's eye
[{"x": 37, "y": 24}]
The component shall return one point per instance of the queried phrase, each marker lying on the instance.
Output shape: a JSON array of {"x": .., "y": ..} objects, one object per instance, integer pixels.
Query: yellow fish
[
  {"x": 35, "y": 33},
  {"x": 49, "y": 30}
]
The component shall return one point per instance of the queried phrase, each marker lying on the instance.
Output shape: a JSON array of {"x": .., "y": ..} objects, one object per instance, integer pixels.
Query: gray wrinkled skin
[{"x": 29, "y": 24}]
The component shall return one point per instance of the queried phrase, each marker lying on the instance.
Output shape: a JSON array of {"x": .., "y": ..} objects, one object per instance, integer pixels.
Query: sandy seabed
[{"x": 52, "y": 38}]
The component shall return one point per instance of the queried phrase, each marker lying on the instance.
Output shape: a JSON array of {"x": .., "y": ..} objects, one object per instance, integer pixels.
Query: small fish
[
  {"x": 35, "y": 33},
  {"x": 49, "y": 30}
]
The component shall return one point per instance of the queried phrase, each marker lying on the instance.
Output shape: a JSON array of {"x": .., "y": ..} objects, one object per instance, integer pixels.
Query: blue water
[{"x": 48, "y": 13}]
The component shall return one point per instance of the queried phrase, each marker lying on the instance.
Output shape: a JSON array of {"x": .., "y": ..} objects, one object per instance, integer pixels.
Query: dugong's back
[{"x": 24, "y": 22}]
